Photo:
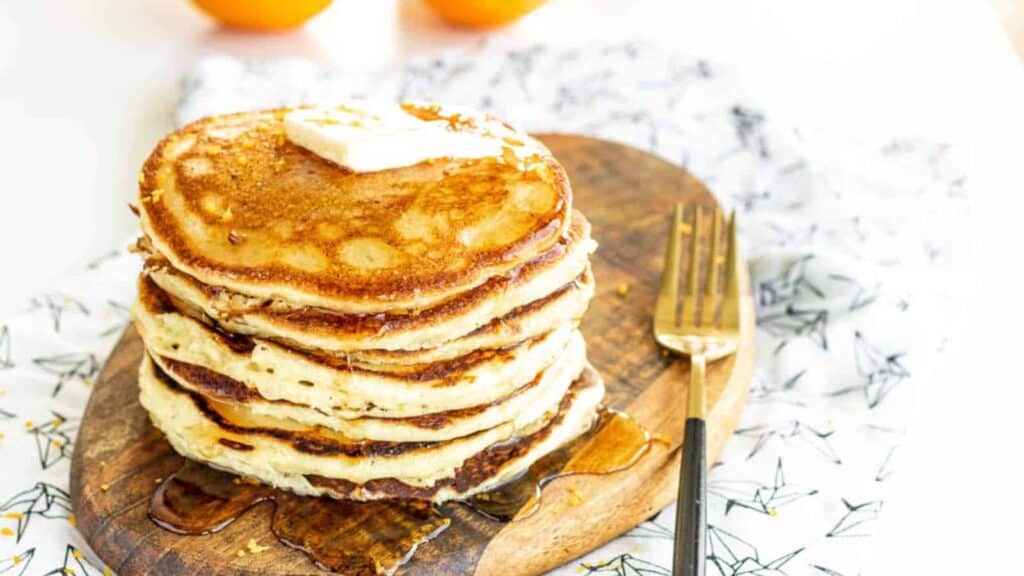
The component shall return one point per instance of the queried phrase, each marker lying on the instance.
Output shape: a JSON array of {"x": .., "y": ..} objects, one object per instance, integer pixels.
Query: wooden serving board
[{"x": 628, "y": 196}]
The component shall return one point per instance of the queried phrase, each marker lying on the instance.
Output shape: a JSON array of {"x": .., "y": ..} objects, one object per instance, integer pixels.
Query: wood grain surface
[{"x": 627, "y": 195}]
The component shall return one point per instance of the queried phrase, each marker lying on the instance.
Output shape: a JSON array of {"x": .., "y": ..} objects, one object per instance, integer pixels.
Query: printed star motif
[
  {"x": 75, "y": 564},
  {"x": 795, "y": 236},
  {"x": 797, "y": 322},
  {"x": 629, "y": 121},
  {"x": 781, "y": 316},
  {"x": 885, "y": 470},
  {"x": 851, "y": 524},
  {"x": 626, "y": 565},
  {"x": 788, "y": 286},
  {"x": 762, "y": 391},
  {"x": 749, "y": 199},
  {"x": 58, "y": 305},
  {"x": 54, "y": 439},
  {"x": 17, "y": 564},
  {"x": 786, "y": 431},
  {"x": 763, "y": 498},
  {"x": 119, "y": 311},
  {"x": 747, "y": 124},
  {"x": 68, "y": 367},
  {"x": 518, "y": 66},
  {"x": 881, "y": 372},
  {"x": 733, "y": 556},
  {"x": 582, "y": 91},
  {"x": 863, "y": 297},
  {"x": 651, "y": 529},
  {"x": 99, "y": 261},
  {"x": 42, "y": 500},
  {"x": 5, "y": 348}
]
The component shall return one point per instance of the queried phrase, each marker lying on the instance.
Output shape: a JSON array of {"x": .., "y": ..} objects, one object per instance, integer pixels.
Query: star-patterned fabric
[{"x": 848, "y": 248}]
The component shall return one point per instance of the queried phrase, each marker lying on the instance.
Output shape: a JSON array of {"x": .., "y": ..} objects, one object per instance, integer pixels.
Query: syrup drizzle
[
  {"x": 614, "y": 443},
  {"x": 370, "y": 538}
]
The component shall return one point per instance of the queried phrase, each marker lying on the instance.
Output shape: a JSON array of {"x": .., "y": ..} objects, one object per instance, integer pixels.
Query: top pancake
[{"x": 231, "y": 201}]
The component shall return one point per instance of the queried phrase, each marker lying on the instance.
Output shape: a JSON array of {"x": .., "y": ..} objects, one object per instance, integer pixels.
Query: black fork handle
[{"x": 691, "y": 505}]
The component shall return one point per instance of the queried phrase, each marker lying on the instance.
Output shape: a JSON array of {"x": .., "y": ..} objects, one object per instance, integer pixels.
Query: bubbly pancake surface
[
  {"x": 314, "y": 328},
  {"x": 230, "y": 201}
]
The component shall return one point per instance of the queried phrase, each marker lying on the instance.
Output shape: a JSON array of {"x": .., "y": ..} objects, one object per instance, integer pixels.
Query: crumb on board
[
  {"x": 574, "y": 496},
  {"x": 104, "y": 487},
  {"x": 622, "y": 290},
  {"x": 255, "y": 547}
]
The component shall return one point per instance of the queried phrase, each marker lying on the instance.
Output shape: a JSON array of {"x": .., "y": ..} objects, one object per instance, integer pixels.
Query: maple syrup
[{"x": 369, "y": 538}]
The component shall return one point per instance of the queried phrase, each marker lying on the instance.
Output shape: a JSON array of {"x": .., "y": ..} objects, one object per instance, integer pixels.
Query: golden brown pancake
[
  {"x": 313, "y": 328},
  {"x": 231, "y": 202},
  {"x": 343, "y": 388},
  {"x": 521, "y": 406},
  {"x": 283, "y": 453}
]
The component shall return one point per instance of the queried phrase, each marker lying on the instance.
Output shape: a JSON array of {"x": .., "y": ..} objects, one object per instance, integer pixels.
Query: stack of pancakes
[{"x": 410, "y": 332}]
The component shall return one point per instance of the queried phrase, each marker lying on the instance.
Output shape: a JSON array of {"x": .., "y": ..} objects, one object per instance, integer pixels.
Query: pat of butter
[{"x": 370, "y": 136}]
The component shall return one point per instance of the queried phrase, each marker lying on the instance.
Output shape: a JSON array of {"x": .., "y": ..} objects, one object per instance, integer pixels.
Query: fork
[{"x": 704, "y": 337}]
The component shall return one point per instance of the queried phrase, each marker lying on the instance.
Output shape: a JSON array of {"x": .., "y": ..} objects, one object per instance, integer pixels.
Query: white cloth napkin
[{"x": 847, "y": 247}]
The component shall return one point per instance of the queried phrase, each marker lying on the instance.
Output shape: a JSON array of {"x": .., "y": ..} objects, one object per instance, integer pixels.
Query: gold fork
[{"x": 703, "y": 338}]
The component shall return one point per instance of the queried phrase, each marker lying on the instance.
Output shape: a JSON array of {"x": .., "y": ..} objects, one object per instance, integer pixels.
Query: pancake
[
  {"x": 272, "y": 450},
  {"x": 345, "y": 389},
  {"x": 281, "y": 454},
  {"x": 563, "y": 306},
  {"x": 320, "y": 329},
  {"x": 521, "y": 407},
  {"x": 231, "y": 202}
]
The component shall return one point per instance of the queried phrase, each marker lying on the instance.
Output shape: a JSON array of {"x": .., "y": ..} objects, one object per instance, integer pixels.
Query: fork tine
[
  {"x": 692, "y": 291},
  {"x": 668, "y": 294},
  {"x": 731, "y": 296},
  {"x": 711, "y": 285}
]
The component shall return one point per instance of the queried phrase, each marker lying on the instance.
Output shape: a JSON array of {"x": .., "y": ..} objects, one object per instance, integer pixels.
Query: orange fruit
[
  {"x": 482, "y": 13},
  {"x": 261, "y": 14}
]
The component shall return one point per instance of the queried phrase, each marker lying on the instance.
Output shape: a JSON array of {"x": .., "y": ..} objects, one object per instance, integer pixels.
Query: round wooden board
[{"x": 627, "y": 195}]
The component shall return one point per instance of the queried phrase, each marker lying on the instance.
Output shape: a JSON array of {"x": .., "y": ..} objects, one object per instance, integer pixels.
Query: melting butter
[{"x": 367, "y": 136}]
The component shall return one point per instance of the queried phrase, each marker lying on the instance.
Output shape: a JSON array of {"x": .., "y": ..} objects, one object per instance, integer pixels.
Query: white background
[{"x": 87, "y": 87}]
